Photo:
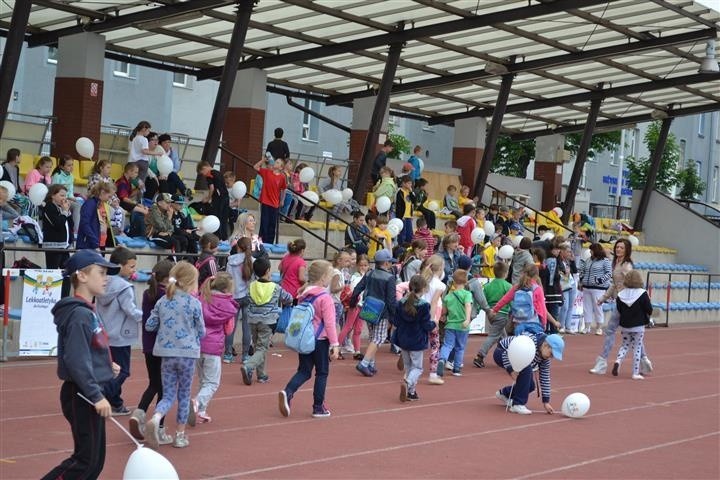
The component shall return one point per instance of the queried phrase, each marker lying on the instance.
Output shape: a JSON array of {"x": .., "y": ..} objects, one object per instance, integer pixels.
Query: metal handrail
[
  {"x": 668, "y": 288},
  {"x": 687, "y": 207}
]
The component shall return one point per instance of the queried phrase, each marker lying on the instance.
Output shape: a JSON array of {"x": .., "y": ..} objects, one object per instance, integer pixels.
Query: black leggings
[{"x": 154, "y": 371}]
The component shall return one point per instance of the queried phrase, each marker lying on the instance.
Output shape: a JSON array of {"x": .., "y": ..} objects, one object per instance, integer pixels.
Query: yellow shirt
[
  {"x": 462, "y": 201},
  {"x": 489, "y": 252},
  {"x": 408, "y": 205},
  {"x": 383, "y": 235}
]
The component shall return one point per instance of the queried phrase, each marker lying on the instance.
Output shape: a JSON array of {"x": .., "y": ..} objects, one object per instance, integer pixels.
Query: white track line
[{"x": 619, "y": 455}]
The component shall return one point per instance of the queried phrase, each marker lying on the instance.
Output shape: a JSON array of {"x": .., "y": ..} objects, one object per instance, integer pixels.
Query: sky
[{"x": 713, "y": 4}]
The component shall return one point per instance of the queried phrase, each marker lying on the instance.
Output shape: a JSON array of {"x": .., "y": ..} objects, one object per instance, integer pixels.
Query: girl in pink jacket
[
  {"x": 40, "y": 174},
  {"x": 326, "y": 346}
]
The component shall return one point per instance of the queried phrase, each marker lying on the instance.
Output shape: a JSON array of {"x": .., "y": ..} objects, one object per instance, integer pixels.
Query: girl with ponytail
[
  {"x": 240, "y": 266},
  {"x": 293, "y": 267},
  {"x": 433, "y": 270}
]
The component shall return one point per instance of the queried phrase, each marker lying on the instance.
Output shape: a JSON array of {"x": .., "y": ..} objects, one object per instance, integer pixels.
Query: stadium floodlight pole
[
  {"x": 227, "y": 80},
  {"x": 655, "y": 161},
  {"x": 569, "y": 203},
  {"x": 381, "y": 104},
  {"x": 11, "y": 55}
]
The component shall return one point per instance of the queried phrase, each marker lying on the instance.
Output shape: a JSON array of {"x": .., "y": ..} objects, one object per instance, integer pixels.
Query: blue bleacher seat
[
  {"x": 136, "y": 242},
  {"x": 275, "y": 277}
]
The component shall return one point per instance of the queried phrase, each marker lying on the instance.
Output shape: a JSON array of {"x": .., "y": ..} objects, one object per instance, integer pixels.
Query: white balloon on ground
[
  {"x": 506, "y": 252},
  {"x": 147, "y": 464},
  {"x": 394, "y": 230},
  {"x": 211, "y": 224},
  {"x": 307, "y": 174},
  {"x": 37, "y": 193},
  {"x": 575, "y": 405},
  {"x": 382, "y": 204},
  {"x": 332, "y": 196},
  {"x": 433, "y": 206},
  {"x": 347, "y": 194},
  {"x": 85, "y": 147},
  {"x": 521, "y": 352},
  {"x": 164, "y": 165},
  {"x": 239, "y": 189},
  {"x": 9, "y": 187},
  {"x": 398, "y": 224},
  {"x": 477, "y": 236},
  {"x": 309, "y": 198},
  {"x": 634, "y": 241},
  {"x": 489, "y": 228}
]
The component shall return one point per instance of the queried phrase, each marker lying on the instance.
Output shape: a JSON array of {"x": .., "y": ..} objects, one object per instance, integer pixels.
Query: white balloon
[
  {"x": 394, "y": 230},
  {"x": 489, "y": 227},
  {"x": 382, "y": 204},
  {"x": 332, "y": 196},
  {"x": 547, "y": 236},
  {"x": 586, "y": 254},
  {"x": 521, "y": 352},
  {"x": 9, "y": 187},
  {"x": 575, "y": 405},
  {"x": 37, "y": 193},
  {"x": 147, "y": 464},
  {"x": 84, "y": 147},
  {"x": 347, "y": 194},
  {"x": 477, "y": 236},
  {"x": 433, "y": 206},
  {"x": 421, "y": 164},
  {"x": 307, "y": 174},
  {"x": 309, "y": 198},
  {"x": 506, "y": 252},
  {"x": 558, "y": 211},
  {"x": 516, "y": 240},
  {"x": 398, "y": 224},
  {"x": 164, "y": 165},
  {"x": 211, "y": 224},
  {"x": 634, "y": 241},
  {"x": 239, "y": 189}
]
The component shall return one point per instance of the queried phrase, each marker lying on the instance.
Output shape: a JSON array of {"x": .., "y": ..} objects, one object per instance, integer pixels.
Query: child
[
  {"x": 516, "y": 396},
  {"x": 157, "y": 286},
  {"x": 95, "y": 230},
  {"x": 466, "y": 225},
  {"x": 414, "y": 162},
  {"x": 10, "y": 170},
  {"x": 240, "y": 266},
  {"x": 100, "y": 173},
  {"x": 63, "y": 175},
  {"x": 379, "y": 284},
  {"x": 422, "y": 232},
  {"x": 40, "y": 174},
  {"x": 381, "y": 234},
  {"x": 451, "y": 201},
  {"x": 635, "y": 308},
  {"x": 354, "y": 323},
  {"x": 404, "y": 209},
  {"x": 206, "y": 263},
  {"x": 234, "y": 203},
  {"x": 385, "y": 187},
  {"x": 550, "y": 274},
  {"x": 84, "y": 365},
  {"x": 356, "y": 234},
  {"x": 218, "y": 310},
  {"x": 595, "y": 275},
  {"x": 411, "y": 264},
  {"x": 488, "y": 257},
  {"x": 293, "y": 267},
  {"x": 273, "y": 184},
  {"x": 159, "y": 227},
  {"x": 450, "y": 253},
  {"x": 184, "y": 230},
  {"x": 568, "y": 284},
  {"x": 421, "y": 196},
  {"x": 338, "y": 283},
  {"x": 326, "y": 342},
  {"x": 464, "y": 197},
  {"x": 178, "y": 320},
  {"x": 412, "y": 324},
  {"x": 457, "y": 306},
  {"x": 121, "y": 315},
  {"x": 494, "y": 291},
  {"x": 218, "y": 196},
  {"x": 128, "y": 192},
  {"x": 263, "y": 311}
]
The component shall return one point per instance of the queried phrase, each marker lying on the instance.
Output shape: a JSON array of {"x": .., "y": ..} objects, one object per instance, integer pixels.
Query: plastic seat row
[
  {"x": 672, "y": 267},
  {"x": 694, "y": 286},
  {"x": 680, "y": 306}
]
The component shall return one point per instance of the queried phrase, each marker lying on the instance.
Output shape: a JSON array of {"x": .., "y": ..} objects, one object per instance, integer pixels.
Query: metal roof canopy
[{"x": 644, "y": 53}]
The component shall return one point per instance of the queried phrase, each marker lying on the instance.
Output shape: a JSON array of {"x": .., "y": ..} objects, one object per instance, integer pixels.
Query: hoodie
[
  {"x": 634, "y": 306},
  {"x": 521, "y": 258},
  {"x": 216, "y": 314},
  {"x": 412, "y": 331},
  {"x": 465, "y": 225},
  {"x": 83, "y": 353},
  {"x": 234, "y": 268},
  {"x": 121, "y": 315},
  {"x": 179, "y": 325},
  {"x": 265, "y": 300}
]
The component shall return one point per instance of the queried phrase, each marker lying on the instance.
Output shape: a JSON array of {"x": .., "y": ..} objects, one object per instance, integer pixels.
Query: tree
[
  {"x": 600, "y": 142},
  {"x": 402, "y": 144},
  {"x": 638, "y": 167},
  {"x": 689, "y": 182}
]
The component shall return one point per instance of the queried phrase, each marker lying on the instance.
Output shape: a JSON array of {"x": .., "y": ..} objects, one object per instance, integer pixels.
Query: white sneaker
[
  {"x": 646, "y": 365},
  {"x": 638, "y": 377},
  {"x": 152, "y": 432},
  {"x": 164, "y": 438},
  {"x": 562, "y": 330},
  {"x": 600, "y": 367},
  {"x": 520, "y": 409},
  {"x": 449, "y": 365},
  {"x": 435, "y": 379},
  {"x": 598, "y": 331},
  {"x": 499, "y": 395},
  {"x": 137, "y": 424}
]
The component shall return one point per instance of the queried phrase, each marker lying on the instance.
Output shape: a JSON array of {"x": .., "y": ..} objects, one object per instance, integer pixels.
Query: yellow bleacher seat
[
  {"x": 27, "y": 163},
  {"x": 85, "y": 170},
  {"x": 81, "y": 182},
  {"x": 116, "y": 170},
  {"x": 369, "y": 199}
]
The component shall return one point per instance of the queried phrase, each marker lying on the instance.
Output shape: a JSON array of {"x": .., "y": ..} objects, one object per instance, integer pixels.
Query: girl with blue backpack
[{"x": 326, "y": 342}]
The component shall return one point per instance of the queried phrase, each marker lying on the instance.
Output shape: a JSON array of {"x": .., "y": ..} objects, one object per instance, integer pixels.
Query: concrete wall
[
  {"x": 510, "y": 185},
  {"x": 667, "y": 223}
]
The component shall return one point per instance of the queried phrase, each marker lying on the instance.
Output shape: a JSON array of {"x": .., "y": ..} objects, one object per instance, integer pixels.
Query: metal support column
[
  {"x": 493, "y": 133},
  {"x": 11, "y": 55},
  {"x": 655, "y": 161},
  {"x": 227, "y": 80},
  {"x": 381, "y": 105},
  {"x": 569, "y": 203}
]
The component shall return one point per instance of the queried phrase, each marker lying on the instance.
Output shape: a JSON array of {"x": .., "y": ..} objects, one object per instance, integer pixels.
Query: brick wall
[
  {"x": 243, "y": 135},
  {"x": 77, "y": 106},
  {"x": 551, "y": 176},
  {"x": 468, "y": 161}
]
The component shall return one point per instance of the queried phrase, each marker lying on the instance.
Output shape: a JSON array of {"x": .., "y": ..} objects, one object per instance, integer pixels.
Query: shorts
[{"x": 378, "y": 332}]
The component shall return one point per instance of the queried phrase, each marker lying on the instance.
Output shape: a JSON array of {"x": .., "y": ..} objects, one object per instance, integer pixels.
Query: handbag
[{"x": 372, "y": 310}]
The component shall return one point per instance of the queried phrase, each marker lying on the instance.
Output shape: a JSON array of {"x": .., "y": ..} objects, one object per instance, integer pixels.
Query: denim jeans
[
  {"x": 320, "y": 360},
  {"x": 454, "y": 340},
  {"x": 268, "y": 222},
  {"x": 246, "y": 336},
  {"x": 113, "y": 389},
  {"x": 566, "y": 311},
  {"x": 524, "y": 385}
]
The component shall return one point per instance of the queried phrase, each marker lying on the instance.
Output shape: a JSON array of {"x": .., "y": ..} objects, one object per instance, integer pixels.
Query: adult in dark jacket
[
  {"x": 90, "y": 233},
  {"x": 380, "y": 160}
]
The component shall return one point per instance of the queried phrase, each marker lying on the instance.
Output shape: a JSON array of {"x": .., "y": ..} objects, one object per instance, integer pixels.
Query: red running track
[{"x": 666, "y": 426}]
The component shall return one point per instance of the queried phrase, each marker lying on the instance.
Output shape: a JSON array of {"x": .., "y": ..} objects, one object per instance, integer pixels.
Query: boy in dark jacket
[{"x": 84, "y": 365}]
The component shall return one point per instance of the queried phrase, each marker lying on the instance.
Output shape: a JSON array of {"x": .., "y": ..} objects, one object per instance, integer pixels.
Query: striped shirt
[
  {"x": 543, "y": 364},
  {"x": 595, "y": 274}
]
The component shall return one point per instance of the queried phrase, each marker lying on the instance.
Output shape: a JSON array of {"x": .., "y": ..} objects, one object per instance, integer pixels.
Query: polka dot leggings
[{"x": 636, "y": 340}]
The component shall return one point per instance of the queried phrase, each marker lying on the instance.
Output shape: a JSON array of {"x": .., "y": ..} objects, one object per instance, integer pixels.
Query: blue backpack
[
  {"x": 300, "y": 334},
  {"x": 523, "y": 309}
]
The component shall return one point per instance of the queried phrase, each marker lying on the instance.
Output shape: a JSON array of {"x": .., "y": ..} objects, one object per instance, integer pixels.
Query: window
[
  {"x": 615, "y": 157},
  {"x": 123, "y": 69},
  {"x": 52, "y": 54},
  {"x": 180, "y": 80},
  {"x": 311, "y": 124},
  {"x": 583, "y": 177},
  {"x": 698, "y": 171},
  {"x": 681, "y": 160},
  {"x": 392, "y": 120},
  {"x": 428, "y": 128},
  {"x": 717, "y": 127},
  {"x": 701, "y": 125},
  {"x": 611, "y": 199},
  {"x": 714, "y": 184}
]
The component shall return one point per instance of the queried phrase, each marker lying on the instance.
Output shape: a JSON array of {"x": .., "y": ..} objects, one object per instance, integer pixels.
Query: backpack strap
[{"x": 311, "y": 300}]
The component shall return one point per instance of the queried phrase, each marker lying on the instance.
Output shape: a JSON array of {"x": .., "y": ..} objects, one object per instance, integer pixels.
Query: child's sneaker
[
  {"x": 364, "y": 369},
  {"x": 412, "y": 397},
  {"x": 120, "y": 411},
  {"x": 449, "y": 366},
  {"x": 152, "y": 432},
  {"x": 434, "y": 379},
  {"x": 137, "y": 424},
  {"x": 646, "y": 365},
  {"x": 284, "y": 403},
  {"x": 638, "y": 377},
  {"x": 600, "y": 367},
  {"x": 319, "y": 411},
  {"x": 616, "y": 368},
  {"x": 263, "y": 379},
  {"x": 372, "y": 368},
  {"x": 181, "y": 440},
  {"x": 520, "y": 409},
  {"x": 247, "y": 375},
  {"x": 403, "y": 392},
  {"x": 400, "y": 363},
  {"x": 164, "y": 438},
  {"x": 499, "y": 395},
  {"x": 357, "y": 356},
  {"x": 457, "y": 372},
  {"x": 228, "y": 358},
  {"x": 192, "y": 414},
  {"x": 479, "y": 361},
  {"x": 203, "y": 417},
  {"x": 441, "y": 368}
]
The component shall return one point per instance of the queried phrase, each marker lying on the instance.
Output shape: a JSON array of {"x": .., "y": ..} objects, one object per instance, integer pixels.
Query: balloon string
[
  {"x": 115, "y": 421},
  {"x": 507, "y": 405}
]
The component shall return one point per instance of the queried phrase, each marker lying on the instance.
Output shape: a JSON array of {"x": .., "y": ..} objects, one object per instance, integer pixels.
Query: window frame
[
  {"x": 185, "y": 83},
  {"x": 127, "y": 73},
  {"x": 52, "y": 53}
]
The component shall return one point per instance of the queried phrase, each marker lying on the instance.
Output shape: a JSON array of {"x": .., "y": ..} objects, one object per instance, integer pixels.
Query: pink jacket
[
  {"x": 216, "y": 314},
  {"x": 324, "y": 312},
  {"x": 538, "y": 302},
  {"x": 34, "y": 177}
]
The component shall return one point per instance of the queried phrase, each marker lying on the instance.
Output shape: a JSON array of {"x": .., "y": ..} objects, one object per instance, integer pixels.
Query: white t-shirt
[
  {"x": 135, "y": 151},
  {"x": 435, "y": 285},
  {"x": 337, "y": 273}
]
